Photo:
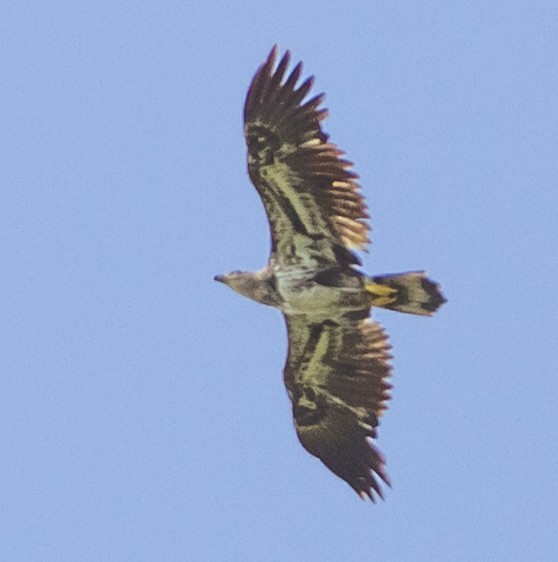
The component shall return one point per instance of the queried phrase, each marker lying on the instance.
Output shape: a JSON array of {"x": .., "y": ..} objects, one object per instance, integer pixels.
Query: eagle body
[
  {"x": 303, "y": 291},
  {"x": 338, "y": 361}
]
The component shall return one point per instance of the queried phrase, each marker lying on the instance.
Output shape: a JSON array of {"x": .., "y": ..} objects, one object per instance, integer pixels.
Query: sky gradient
[{"x": 143, "y": 414}]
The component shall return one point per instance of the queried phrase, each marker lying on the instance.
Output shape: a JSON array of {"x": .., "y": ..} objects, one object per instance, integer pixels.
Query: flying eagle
[{"x": 337, "y": 368}]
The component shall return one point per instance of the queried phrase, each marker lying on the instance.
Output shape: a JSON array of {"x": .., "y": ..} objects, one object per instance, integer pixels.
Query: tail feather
[{"x": 411, "y": 292}]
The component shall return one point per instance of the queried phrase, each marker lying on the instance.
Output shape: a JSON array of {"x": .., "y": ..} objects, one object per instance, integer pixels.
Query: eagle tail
[{"x": 412, "y": 292}]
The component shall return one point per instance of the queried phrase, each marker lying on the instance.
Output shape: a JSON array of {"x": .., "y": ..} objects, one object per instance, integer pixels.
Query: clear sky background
[{"x": 142, "y": 409}]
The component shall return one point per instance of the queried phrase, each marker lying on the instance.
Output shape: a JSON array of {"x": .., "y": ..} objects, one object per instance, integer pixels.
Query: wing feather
[
  {"x": 336, "y": 376},
  {"x": 306, "y": 186}
]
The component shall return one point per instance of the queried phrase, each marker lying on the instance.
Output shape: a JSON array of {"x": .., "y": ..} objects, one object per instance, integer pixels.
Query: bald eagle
[{"x": 338, "y": 363}]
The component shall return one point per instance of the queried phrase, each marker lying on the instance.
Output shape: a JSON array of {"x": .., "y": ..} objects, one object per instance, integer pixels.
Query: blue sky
[{"x": 143, "y": 415}]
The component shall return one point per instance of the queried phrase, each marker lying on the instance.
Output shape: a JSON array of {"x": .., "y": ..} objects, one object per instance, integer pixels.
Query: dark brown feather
[
  {"x": 336, "y": 375},
  {"x": 287, "y": 147}
]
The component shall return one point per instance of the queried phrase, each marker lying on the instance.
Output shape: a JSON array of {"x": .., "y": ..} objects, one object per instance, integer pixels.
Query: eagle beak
[{"x": 220, "y": 278}]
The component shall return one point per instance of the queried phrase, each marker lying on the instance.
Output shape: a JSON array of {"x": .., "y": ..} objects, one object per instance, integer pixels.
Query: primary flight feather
[{"x": 337, "y": 367}]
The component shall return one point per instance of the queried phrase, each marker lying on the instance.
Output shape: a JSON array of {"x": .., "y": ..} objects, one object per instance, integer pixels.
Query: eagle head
[
  {"x": 240, "y": 281},
  {"x": 255, "y": 285}
]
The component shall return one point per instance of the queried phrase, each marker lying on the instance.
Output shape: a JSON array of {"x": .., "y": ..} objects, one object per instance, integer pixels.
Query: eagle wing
[
  {"x": 306, "y": 186},
  {"x": 336, "y": 376}
]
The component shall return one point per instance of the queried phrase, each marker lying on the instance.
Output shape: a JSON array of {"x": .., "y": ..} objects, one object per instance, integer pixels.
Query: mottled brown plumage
[
  {"x": 278, "y": 124},
  {"x": 336, "y": 376},
  {"x": 337, "y": 368}
]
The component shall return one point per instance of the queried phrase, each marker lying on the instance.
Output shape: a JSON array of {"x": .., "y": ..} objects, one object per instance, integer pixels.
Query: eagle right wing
[
  {"x": 305, "y": 184},
  {"x": 336, "y": 376}
]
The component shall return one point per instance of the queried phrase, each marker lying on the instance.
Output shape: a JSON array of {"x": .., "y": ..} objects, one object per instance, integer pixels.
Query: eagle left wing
[
  {"x": 336, "y": 376},
  {"x": 305, "y": 184}
]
